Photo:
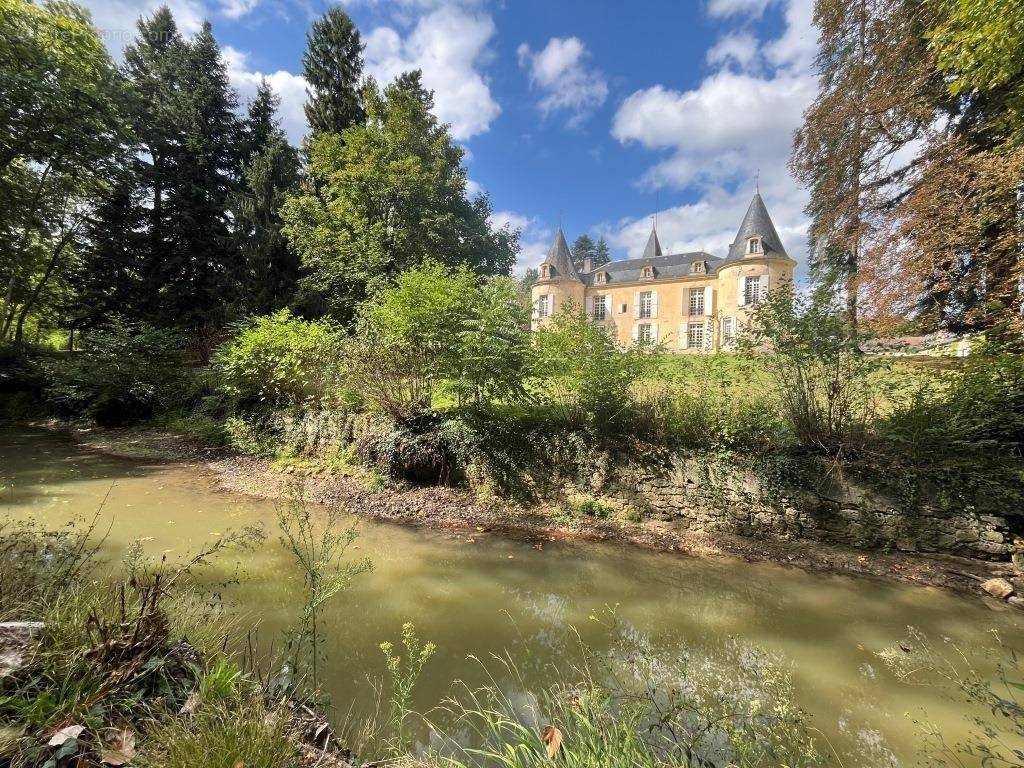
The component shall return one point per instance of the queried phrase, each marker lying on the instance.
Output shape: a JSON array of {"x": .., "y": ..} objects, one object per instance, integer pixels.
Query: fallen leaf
[
  {"x": 190, "y": 704},
  {"x": 119, "y": 746},
  {"x": 552, "y": 738},
  {"x": 66, "y": 734}
]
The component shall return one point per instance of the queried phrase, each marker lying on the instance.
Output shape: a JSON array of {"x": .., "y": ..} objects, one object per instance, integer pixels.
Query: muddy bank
[{"x": 456, "y": 509}]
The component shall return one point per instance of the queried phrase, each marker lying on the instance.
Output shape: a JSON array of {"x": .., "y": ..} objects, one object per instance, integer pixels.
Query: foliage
[
  {"x": 124, "y": 373},
  {"x": 581, "y": 372},
  {"x": 995, "y": 739},
  {"x": 438, "y": 324},
  {"x": 318, "y": 548},
  {"x": 333, "y": 66},
  {"x": 822, "y": 377},
  {"x": 386, "y": 196},
  {"x": 403, "y": 674},
  {"x": 641, "y": 707},
  {"x": 280, "y": 360}
]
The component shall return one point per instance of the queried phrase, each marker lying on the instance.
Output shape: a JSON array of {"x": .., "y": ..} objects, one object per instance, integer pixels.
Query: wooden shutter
[
  {"x": 709, "y": 334},
  {"x": 684, "y": 337},
  {"x": 654, "y": 333},
  {"x": 708, "y": 298},
  {"x": 636, "y": 307},
  {"x": 764, "y": 287},
  {"x": 741, "y": 294},
  {"x": 654, "y": 303},
  {"x": 590, "y": 307},
  {"x": 636, "y": 331}
]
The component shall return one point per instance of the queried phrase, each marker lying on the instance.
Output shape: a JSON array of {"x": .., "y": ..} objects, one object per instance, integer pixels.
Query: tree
[
  {"x": 333, "y": 67},
  {"x": 583, "y": 248},
  {"x": 59, "y": 124},
  {"x": 602, "y": 254},
  {"x": 270, "y": 173},
  {"x": 383, "y": 197},
  {"x": 876, "y": 96}
]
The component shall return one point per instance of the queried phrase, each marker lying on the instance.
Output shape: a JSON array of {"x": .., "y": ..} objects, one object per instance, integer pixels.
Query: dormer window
[
  {"x": 545, "y": 272},
  {"x": 601, "y": 278},
  {"x": 754, "y": 245},
  {"x": 699, "y": 267},
  {"x": 647, "y": 273}
]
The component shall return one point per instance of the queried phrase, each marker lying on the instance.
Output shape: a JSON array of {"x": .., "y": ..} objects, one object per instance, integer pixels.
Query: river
[{"x": 478, "y": 594}]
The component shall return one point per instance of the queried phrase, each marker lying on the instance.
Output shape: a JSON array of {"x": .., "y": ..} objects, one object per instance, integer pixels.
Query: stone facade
[{"x": 721, "y": 498}]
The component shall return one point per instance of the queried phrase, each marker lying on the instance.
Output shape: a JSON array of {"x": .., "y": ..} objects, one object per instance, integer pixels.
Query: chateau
[{"x": 690, "y": 302}]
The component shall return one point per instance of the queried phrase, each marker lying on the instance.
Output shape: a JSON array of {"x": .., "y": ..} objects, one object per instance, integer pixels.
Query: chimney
[{"x": 587, "y": 264}]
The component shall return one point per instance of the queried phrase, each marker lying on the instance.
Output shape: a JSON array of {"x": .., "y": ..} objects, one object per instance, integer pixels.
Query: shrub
[
  {"x": 282, "y": 361},
  {"x": 125, "y": 373},
  {"x": 823, "y": 380},
  {"x": 583, "y": 374}
]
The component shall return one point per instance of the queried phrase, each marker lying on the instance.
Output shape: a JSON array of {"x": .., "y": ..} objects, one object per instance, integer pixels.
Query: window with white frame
[
  {"x": 695, "y": 336},
  {"x": 645, "y": 333},
  {"x": 544, "y": 305},
  {"x": 699, "y": 266},
  {"x": 752, "y": 290},
  {"x": 728, "y": 330},
  {"x": 754, "y": 245},
  {"x": 602, "y": 278},
  {"x": 696, "y": 301},
  {"x": 646, "y": 304},
  {"x": 545, "y": 271},
  {"x": 647, "y": 272},
  {"x": 600, "y": 307}
]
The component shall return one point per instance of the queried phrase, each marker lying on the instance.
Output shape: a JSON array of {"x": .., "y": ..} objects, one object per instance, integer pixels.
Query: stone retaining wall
[{"x": 718, "y": 497}]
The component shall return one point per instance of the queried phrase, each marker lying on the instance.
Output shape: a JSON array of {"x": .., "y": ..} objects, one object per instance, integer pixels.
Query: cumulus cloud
[
  {"x": 290, "y": 87},
  {"x": 559, "y": 71},
  {"x": 236, "y": 9},
  {"x": 448, "y": 43},
  {"x": 115, "y": 19},
  {"x": 714, "y": 139},
  {"x": 534, "y": 237}
]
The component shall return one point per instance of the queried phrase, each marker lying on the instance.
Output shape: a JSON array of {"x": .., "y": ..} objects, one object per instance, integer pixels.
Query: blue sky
[{"x": 586, "y": 113}]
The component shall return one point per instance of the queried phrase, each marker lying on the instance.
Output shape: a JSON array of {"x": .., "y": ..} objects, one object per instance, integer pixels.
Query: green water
[{"x": 479, "y": 594}]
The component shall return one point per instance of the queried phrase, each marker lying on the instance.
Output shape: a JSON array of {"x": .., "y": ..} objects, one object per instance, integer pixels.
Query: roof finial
[
  {"x": 657, "y": 205},
  {"x": 757, "y": 182}
]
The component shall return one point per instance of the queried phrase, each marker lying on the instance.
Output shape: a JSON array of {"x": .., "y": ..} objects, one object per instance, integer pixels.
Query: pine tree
[
  {"x": 333, "y": 67},
  {"x": 583, "y": 248},
  {"x": 602, "y": 254},
  {"x": 271, "y": 171}
]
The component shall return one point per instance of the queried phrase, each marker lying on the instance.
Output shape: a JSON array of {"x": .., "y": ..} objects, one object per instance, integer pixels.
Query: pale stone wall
[
  {"x": 562, "y": 290},
  {"x": 723, "y": 498}
]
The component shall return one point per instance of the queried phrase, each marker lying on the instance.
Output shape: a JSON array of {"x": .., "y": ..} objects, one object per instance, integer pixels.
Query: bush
[
  {"x": 824, "y": 381},
  {"x": 125, "y": 373},
  {"x": 281, "y": 361},
  {"x": 582, "y": 374}
]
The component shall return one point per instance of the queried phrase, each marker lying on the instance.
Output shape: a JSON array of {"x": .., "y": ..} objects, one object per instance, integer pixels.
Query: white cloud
[
  {"x": 559, "y": 71},
  {"x": 448, "y": 44},
  {"x": 724, "y": 8},
  {"x": 714, "y": 138},
  {"x": 741, "y": 48},
  {"x": 290, "y": 87},
  {"x": 534, "y": 238},
  {"x": 236, "y": 9},
  {"x": 115, "y": 19}
]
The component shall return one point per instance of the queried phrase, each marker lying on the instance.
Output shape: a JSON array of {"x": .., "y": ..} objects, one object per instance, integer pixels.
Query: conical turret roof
[
  {"x": 653, "y": 248},
  {"x": 757, "y": 223},
  {"x": 559, "y": 258}
]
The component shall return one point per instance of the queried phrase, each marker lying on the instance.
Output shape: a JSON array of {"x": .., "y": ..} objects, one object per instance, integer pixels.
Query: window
[
  {"x": 728, "y": 330},
  {"x": 544, "y": 305},
  {"x": 752, "y": 290},
  {"x": 645, "y": 333},
  {"x": 647, "y": 273},
  {"x": 695, "y": 336},
  {"x": 545, "y": 272},
  {"x": 600, "y": 307},
  {"x": 754, "y": 245},
  {"x": 646, "y": 304},
  {"x": 699, "y": 267},
  {"x": 696, "y": 301},
  {"x": 622, "y": 309},
  {"x": 602, "y": 278}
]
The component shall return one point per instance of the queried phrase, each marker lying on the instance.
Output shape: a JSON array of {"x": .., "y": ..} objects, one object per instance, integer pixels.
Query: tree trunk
[{"x": 33, "y": 297}]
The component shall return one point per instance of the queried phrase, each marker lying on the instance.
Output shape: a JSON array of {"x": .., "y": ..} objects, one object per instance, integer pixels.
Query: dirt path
[{"x": 456, "y": 509}]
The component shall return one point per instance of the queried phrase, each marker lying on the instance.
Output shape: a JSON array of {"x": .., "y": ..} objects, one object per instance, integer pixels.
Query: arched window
[{"x": 545, "y": 271}]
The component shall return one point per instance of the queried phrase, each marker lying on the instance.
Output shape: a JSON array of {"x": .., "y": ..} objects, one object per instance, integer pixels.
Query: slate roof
[
  {"x": 653, "y": 249},
  {"x": 756, "y": 222},
  {"x": 559, "y": 258},
  {"x": 674, "y": 265}
]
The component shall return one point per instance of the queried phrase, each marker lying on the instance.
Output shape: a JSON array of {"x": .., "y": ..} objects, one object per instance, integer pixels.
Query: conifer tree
[
  {"x": 333, "y": 67},
  {"x": 270, "y": 172},
  {"x": 602, "y": 254},
  {"x": 583, "y": 248}
]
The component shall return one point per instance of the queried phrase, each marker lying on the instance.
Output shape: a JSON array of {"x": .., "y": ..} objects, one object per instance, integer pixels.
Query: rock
[
  {"x": 1016, "y": 602},
  {"x": 15, "y": 637},
  {"x": 998, "y": 588}
]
